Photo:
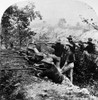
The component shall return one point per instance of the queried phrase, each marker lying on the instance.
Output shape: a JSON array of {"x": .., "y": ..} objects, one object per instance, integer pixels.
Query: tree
[
  {"x": 15, "y": 22},
  {"x": 89, "y": 22}
]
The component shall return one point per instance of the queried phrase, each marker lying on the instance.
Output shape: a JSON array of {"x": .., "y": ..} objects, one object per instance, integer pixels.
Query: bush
[{"x": 85, "y": 70}]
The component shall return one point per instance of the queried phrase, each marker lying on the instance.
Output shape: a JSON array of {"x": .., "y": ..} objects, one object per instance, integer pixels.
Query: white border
[{"x": 6, "y": 3}]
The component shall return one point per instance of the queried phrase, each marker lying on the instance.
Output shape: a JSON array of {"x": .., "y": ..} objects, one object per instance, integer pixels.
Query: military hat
[
  {"x": 89, "y": 39},
  {"x": 69, "y": 37}
]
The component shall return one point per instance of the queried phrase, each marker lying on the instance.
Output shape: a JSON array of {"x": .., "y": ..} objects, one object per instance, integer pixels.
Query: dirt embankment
[{"x": 22, "y": 85}]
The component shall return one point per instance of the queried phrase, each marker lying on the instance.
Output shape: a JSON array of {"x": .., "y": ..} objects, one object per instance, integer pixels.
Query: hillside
[
  {"x": 23, "y": 85},
  {"x": 24, "y": 73},
  {"x": 54, "y": 32}
]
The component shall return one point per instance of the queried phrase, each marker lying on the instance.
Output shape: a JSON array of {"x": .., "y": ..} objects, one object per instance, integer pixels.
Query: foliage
[
  {"x": 7, "y": 85},
  {"x": 90, "y": 22},
  {"x": 15, "y": 22},
  {"x": 85, "y": 69},
  {"x": 11, "y": 81}
]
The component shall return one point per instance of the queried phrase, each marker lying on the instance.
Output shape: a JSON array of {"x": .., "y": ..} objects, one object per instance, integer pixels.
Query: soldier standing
[
  {"x": 58, "y": 51},
  {"x": 89, "y": 50},
  {"x": 70, "y": 57}
]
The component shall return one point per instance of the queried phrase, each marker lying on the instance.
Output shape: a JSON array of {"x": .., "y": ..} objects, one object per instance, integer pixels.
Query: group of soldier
[{"x": 63, "y": 56}]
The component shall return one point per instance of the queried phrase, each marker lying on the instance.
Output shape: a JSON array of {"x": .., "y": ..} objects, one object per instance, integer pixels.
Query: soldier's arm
[
  {"x": 54, "y": 56},
  {"x": 39, "y": 53}
]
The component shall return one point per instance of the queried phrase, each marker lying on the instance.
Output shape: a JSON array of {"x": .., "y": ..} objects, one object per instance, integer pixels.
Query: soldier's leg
[
  {"x": 67, "y": 81},
  {"x": 71, "y": 75},
  {"x": 69, "y": 67}
]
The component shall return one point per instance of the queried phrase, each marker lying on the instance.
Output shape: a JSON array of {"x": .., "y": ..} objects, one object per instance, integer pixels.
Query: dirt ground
[{"x": 26, "y": 86}]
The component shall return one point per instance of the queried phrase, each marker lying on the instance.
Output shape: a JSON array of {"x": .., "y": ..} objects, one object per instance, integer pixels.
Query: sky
[{"x": 52, "y": 10}]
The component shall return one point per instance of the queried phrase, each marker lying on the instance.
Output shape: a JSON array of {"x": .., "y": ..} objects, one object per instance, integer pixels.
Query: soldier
[
  {"x": 70, "y": 57},
  {"x": 50, "y": 69},
  {"x": 72, "y": 46},
  {"x": 58, "y": 47},
  {"x": 58, "y": 51},
  {"x": 33, "y": 53},
  {"x": 89, "y": 50},
  {"x": 81, "y": 46},
  {"x": 32, "y": 47}
]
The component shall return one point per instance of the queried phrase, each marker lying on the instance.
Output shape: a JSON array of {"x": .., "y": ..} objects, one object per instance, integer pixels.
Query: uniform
[
  {"x": 89, "y": 50},
  {"x": 71, "y": 52},
  {"x": 70, "y": 58}
]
